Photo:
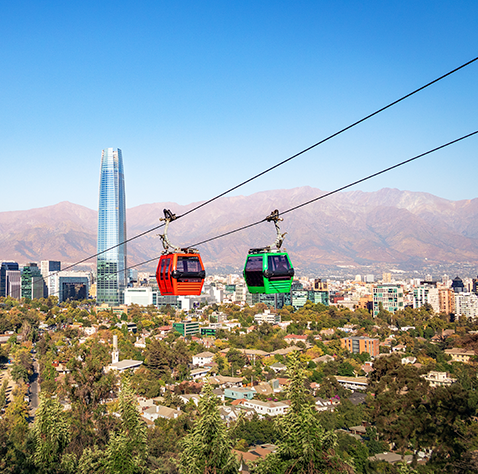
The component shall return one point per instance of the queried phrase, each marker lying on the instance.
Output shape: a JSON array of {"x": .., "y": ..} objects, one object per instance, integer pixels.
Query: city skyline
[
  {"x": 112, "y": 258},
  {"x": 214, "y": 93}
]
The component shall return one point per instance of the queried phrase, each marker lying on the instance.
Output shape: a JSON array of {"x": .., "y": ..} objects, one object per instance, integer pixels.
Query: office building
[
  {"x": 446, "y": 300},
  {"x": 4, "y": 268},
  {"x": 14, "y": 283},
  {"x": 316, "y": 297},
  {"x": 142, "y": 295},
  {"x": 320, "y": 285},
  {"x": 48, "y": 268},
  {"x": 186, "y": 328},
  {"x": 71, "y": 285},
  {"x": 457, "y": 285},
  {"x": 31, "y": 282},
  {"x": 111, "y": 264}
]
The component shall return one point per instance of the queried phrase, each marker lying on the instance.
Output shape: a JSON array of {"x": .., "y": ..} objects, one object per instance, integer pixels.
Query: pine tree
[
  {"x": 50, "y": 434},
  {"x": 91, "y": 461},
  {"x": 207, "y": 449},
  {"x": 306, "y": 447},
  {"x": 127, "y": 450}
]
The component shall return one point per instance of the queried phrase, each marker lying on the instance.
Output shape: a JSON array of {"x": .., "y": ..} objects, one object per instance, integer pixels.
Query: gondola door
[{"x": 163, "y": 275}]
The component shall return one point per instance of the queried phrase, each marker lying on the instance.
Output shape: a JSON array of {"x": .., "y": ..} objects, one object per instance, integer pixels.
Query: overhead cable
[
  {"x": 284, "y": 161},
  {"x": 322, "y": 196}
]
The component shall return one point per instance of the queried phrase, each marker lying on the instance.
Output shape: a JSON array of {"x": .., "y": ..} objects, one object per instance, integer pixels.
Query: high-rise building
[
  {"x": 4, "y": 268},
  {"x": 466, "y": 304},
  {"x": 48, "y": 268},
  {"x": 389, "y": 297},
  {"x": 457, "y": 285},
  {"x": 111, "y": 264},
  {"x": 421, "y": 296},
  {"x": 386, "y": 278},
  {"x": 32, "y": 282},
  {"x": 446, "y": 300},
  {"x": 70, "y": 285},
  {"x": 14, "y": 283}
]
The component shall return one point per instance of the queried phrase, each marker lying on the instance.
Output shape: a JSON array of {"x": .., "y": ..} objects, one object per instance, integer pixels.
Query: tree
[
  {"x": 23, "y": 366},
  {"x": 400, "y": 395},
  {"x": 236, "y": 359},
  {"x": 50, "y": 434},
  {"x": 207, "y": 449},
  {"x": 306, "y": 447},
  {"x": 91, "y": 461},
  {"x": 3, "y": 394},
  {"x": 14, "y": 437},
  {"x": 158, "y": 357},
  {"x": 127, "y": 450}
]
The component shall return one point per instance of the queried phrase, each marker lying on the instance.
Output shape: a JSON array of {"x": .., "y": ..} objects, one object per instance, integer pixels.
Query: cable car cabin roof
[
  {"x": 268, "y": 272},
  {"x": 180, "y": 274}
]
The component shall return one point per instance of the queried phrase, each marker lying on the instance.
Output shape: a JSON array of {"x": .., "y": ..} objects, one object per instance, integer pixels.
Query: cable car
[
  {"x": 269, "y": 270},
  {"x": 180, "y": 271}
]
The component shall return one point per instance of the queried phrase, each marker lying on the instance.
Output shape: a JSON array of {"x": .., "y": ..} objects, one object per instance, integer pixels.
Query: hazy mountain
[{"x": 354, "y": 228}]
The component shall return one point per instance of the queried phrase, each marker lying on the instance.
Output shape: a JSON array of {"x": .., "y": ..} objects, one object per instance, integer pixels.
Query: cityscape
[
  {"x": 239, "y": 351},
  {"x": 276, "y": 273}
]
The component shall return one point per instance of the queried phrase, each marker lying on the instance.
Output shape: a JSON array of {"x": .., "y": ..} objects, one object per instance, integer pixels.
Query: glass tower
[
  {"x": 4, "y": 268},
  {"x": 111, "y": 265}
]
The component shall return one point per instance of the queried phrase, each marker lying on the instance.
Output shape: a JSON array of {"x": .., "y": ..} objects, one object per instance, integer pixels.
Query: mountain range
[{"x": 392, "y": 227}]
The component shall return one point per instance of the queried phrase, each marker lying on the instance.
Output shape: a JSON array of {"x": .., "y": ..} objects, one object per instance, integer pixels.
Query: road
[{"x": 34, "y": 390}]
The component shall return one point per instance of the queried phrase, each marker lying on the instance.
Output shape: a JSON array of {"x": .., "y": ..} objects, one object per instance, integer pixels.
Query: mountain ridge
[{"x": 352, "y": 228}]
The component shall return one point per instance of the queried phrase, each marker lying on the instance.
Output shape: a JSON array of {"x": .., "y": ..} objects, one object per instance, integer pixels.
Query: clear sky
[{"x": 200, "y": 95}]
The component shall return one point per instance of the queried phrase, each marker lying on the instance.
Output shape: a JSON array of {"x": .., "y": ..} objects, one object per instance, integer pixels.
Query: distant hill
[{"x": 354, "y": 228}]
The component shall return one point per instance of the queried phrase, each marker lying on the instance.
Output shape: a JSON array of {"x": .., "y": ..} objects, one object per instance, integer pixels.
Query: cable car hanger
[
  {"x": 268, "y": 269},
  {"x": 180, "y": 271},
  {"x": 277, "y": 244},
  {"x": 168, "y": 246}
]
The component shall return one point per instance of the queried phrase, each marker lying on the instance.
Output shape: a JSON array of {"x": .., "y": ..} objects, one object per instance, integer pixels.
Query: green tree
[
  {"x": 3, "y": 394},
  {"x": 127, "y": 450},
  {"x": 306, "y": 447},
  {"x": 91, "y": 461},
  {"x": 50, "y": 434},
  {"x": 158, "y": 357},
  {"x": 398, "y": 408},
  {"x": 207, "y": 449}
]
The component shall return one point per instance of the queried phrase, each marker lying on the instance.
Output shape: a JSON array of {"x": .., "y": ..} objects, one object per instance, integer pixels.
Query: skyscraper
[
  {"x": 48, "y": 269},
  {"x": 111, "y": 265},
  {"x": 31, "y": 281},
  {"x": 4, "y": 269}
]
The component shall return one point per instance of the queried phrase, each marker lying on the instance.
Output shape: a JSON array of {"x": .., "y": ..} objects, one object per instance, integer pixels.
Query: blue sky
[{"x": 202, "y": 95}]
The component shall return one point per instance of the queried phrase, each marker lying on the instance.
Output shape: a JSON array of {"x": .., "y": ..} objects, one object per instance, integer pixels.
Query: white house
[
  {"x": 199, "y": 373},
  {"x": 187, "y": 397},
  {"x": 202, "y": 359},
  {"x": 159, "y": 411},
  {"x": 266, "y": 408}
]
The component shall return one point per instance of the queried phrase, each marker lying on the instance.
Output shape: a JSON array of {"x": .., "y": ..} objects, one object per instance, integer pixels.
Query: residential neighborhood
[{"x": 359, "y": 371}]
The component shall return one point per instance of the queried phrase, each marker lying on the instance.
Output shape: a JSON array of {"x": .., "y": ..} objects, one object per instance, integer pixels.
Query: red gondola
[{"x": 180, "y": 271}]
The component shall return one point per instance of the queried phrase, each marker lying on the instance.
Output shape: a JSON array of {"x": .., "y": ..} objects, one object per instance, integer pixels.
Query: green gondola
[{"x": 268, "y": 270}]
